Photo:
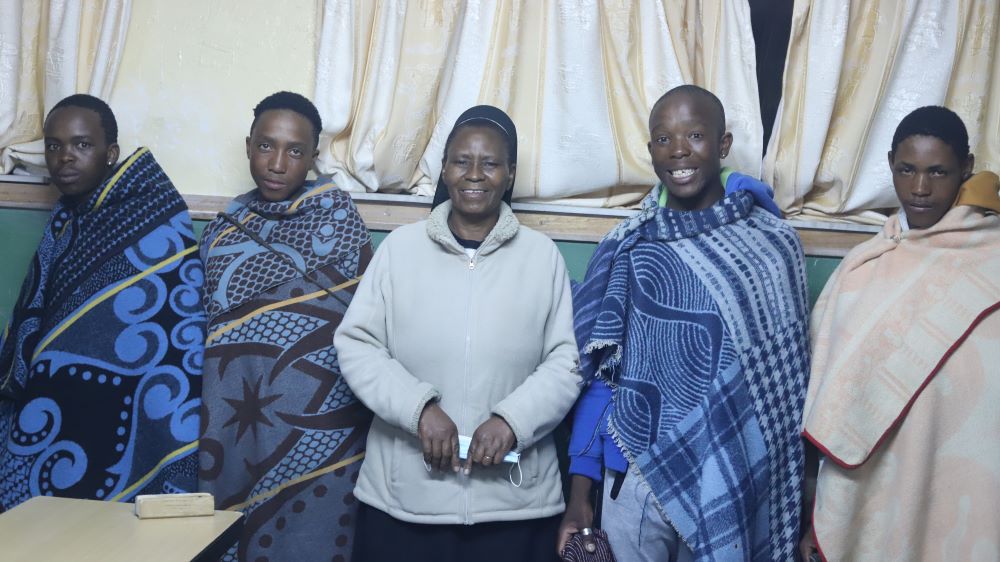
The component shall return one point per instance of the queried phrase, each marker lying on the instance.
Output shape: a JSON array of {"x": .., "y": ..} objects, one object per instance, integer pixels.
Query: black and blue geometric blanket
[
  {"x": 283, "y": 436},
  {"x": 699, "y": 322},
  {"x": 101, "y": 363}
]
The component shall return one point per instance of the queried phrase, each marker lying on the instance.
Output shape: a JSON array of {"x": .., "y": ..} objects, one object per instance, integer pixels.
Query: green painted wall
[{"x": 21, "y": 230}]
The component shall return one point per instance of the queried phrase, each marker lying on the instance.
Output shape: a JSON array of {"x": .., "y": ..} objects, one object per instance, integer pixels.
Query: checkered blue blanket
[{"x": 699, "y": 321}]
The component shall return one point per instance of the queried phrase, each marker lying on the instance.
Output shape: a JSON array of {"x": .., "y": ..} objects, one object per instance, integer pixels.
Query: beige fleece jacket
[{"x": 490, "y": 334}]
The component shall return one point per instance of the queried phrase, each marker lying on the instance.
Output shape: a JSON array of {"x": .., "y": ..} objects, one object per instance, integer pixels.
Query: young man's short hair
[
  {"x": 292, "y": 102},
  {"x": 86, "y": 101},
  {"x": 698, "y": 92},
  {"x": 934, "y": 121}
]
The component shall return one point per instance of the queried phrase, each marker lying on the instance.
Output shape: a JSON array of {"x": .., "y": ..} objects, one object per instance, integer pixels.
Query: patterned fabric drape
[
  {"x": 50, "y": 49},
  {"x": 855, "y": 69},
  {"x": 104, "y": 351},
  {"x": 578, "y": 77}
]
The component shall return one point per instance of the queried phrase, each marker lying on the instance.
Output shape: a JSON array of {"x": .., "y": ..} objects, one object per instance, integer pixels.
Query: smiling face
[
  {"x": 281, "y": 152},
  {"x": 477, "y": 171},
  {"x": 926, "y": 174},
  {"x": 77, "y": 153},
  {"x": 686, "y": 145}
]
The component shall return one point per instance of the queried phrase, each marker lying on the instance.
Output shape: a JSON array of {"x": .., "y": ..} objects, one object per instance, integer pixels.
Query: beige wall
[{"x": 192, "y": 72}]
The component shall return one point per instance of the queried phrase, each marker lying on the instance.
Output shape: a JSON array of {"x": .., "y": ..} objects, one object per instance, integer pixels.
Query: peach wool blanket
[{"x": 904, "y": 395}]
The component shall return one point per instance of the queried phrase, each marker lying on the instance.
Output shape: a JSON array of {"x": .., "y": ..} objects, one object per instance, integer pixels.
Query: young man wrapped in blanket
[
  {"x": 282, "y": 434},
  {"x": 692, "y": 325},
  {"x": 100, "y": 366},
  {"x": 902, "y": 401}
]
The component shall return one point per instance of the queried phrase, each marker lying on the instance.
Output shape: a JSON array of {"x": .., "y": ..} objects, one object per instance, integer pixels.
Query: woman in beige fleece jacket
[{"x": 462, "y": 325}]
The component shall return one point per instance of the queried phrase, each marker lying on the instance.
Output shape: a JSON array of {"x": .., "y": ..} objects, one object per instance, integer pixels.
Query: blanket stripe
[{"x": 98, "y": 299}]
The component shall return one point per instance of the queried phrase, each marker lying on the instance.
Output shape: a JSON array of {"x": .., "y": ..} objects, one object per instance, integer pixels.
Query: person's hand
[
  {"x": 438, "y": 437},
  {"x": 807, "y": 546},
  {"x": 579, "y": 514},
  {"x": 490, "y": 443}
]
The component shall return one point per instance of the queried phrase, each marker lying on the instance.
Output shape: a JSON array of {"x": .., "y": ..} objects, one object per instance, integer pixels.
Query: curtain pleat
[
  {"x": 52, "y": 49},
  {"x": 854, "y": 70},
  {"x": 577, "y": 76}
]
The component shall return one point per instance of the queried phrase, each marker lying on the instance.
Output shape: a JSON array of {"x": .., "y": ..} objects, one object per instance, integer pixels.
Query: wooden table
[{"x": 56, "y": 529}]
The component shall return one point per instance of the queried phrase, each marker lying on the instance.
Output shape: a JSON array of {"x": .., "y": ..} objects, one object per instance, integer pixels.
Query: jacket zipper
[{"x": 465, "y": 379}]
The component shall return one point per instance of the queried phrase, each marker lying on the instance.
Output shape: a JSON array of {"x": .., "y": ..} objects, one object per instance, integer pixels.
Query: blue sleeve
[
  {"x": 590, "y": 421},
  {"x": 762, "y": 193}
]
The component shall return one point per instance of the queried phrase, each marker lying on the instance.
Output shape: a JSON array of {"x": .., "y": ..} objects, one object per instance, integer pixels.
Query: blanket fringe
[
  {"x": 607, "y": 366},
  {"x": 633, "y": 468}
]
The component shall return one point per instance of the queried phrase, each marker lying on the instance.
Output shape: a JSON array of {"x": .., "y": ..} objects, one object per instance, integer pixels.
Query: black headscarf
[{"x": 481, "y": 115}]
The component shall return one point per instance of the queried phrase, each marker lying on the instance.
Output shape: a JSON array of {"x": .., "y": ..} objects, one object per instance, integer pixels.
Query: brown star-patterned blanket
[{"x": 282, "y": 435}]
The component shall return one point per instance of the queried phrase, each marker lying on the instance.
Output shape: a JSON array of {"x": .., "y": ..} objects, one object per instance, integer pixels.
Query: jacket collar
[{"x": 438, "y": 230}]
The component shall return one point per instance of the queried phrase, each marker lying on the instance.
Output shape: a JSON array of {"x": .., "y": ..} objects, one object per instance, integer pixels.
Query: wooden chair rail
[{"x": 561, "y": 223}]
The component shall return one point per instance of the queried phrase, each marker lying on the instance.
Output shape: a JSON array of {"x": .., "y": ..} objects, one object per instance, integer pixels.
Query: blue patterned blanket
[
  {"x": 102, "y": 360},
  {"x": 283, "y": 436},
  {"x": 699, "y": 321}
]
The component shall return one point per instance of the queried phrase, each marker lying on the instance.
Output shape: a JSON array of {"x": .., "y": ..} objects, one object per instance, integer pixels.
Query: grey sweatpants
[{"x": 636, "y": 529}]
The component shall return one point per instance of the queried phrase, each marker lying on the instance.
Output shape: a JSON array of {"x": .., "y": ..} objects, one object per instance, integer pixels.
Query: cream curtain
[
  {"x": 50, "y": 49},
  {"x": 854, "y": 69},
  {"x": 577, "y": 76}
]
